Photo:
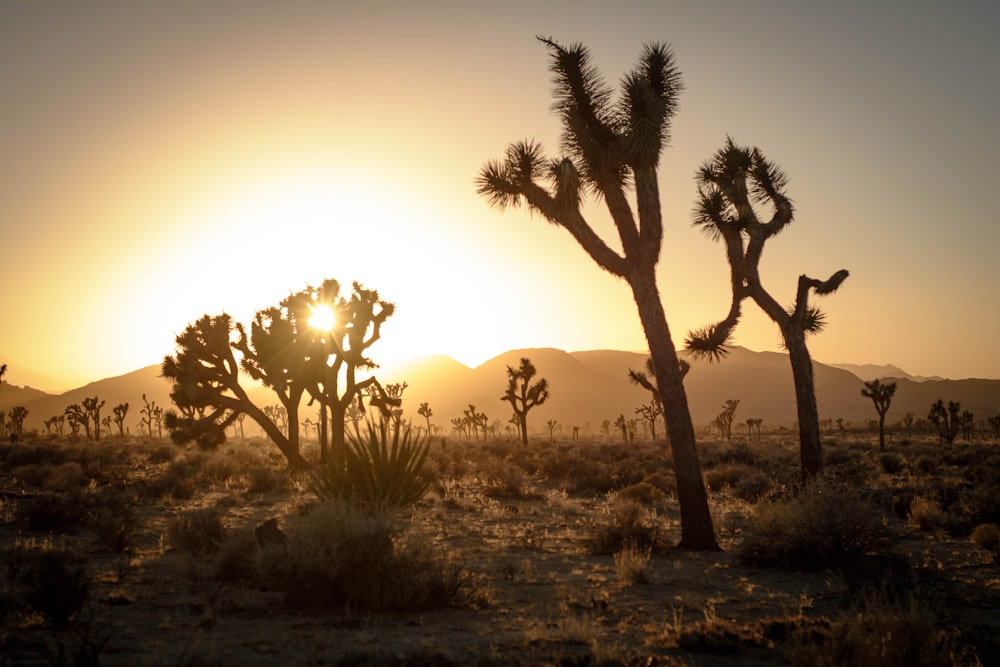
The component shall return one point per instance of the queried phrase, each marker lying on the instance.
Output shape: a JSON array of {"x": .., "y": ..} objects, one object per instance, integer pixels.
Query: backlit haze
[{"x": 160, "y": 161}]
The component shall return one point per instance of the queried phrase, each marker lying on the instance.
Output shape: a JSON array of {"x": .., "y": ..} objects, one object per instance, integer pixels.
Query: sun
[{"x": 322, "y": 318}]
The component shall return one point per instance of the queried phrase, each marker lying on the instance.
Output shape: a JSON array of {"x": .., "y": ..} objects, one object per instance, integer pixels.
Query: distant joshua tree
[
  {"x": 15, "y": 426},
  {"x": 119, "y": 412},
  {"x": 647, "y": 380},
  {"x": 724, "y": 422},
  {"x": 649, "y": 414},
  {"x": 622, "y": 425},
  {"x": 77, "y": 417},
  {"x": 425, "y": 411},
  {"x": 523, "y": 395},
  {"x": 994, "y": 423},
  {"x": 729, "y": 185},
  {"x": 92, "y": 406},
  {"x": 968, "y": 425},
  {"x": 881, "y": 395},
  {"x": 946, "y": 421},
  {"x": 613, "y": 149},
  {"x": 752, "y": 425}
]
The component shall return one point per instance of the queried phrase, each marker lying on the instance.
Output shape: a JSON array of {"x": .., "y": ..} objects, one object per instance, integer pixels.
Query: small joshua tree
[
  {"x": 946, "y": 421},
  {"x": 148, "y": 408},
  {"x": 425, "y": 411},
  {"x": 16, "y": 424},
  {"x": 724, "y": 422},
  {"x": 881, "y": 395},
  {"x": 523, "y": 395},
  {"x": 649, "y": 413},
  {"x": 93, "y": 406},
  {"x": 77, "y": 417},
  {"x": 551, "y": 424},
  {"x": 968, "y": 422},
  {"x": 119, "y": 412}
]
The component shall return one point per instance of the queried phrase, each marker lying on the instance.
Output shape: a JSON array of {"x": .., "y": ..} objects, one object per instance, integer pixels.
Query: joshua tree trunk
[
  {"x": 697, "y": 532},
  {"x": 810, "y": 447}
]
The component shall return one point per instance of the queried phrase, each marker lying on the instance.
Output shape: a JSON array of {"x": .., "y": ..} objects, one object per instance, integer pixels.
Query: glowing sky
[{"x": 159, "y": 161}]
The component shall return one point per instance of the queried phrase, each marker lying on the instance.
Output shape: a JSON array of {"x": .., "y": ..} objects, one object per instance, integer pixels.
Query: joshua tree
[
  {"x": 119, "y": 412},
  {"x": 729, "y": 186},
  {"x": 994, "y": 423},
  {"x": 881, "y": 395},
  {"x": 208, "y": 392},
  {"x": 946, "y": 421},
  {"x": 522, "y": 395},
  {"x": 426, "y": 412},
  {"x": 147, "y": 414},
  {"x": 78, "y": 417},
  {"x": 92, "y": 406},
  {"x": 649, "y": 414},
  {"x": 908, "y": 423},
  {"x": 612, "y": 150},
  {"x": 16, "y": 424},
  {"x": 967, "y": 424},
  {"x": 647, "y": 380},
  {"x": 622, "y": 425},
  {"x": 551, "y": 424},
  {"x": 724, "y": 422}
]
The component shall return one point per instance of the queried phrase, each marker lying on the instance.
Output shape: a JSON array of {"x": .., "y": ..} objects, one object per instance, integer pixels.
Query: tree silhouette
[
  {"x": 730, "y": 185},
  {"x": 426, "y": 412},
  {"x": 207, "y": 389},
  {"x": 647, "y": 380},
  {"x": 119, "y": 412},
  {"x": 621, "y": 424},
  {"x": 881, "y": 395},
  {"x": 77, "y": 417},
  {"x": 92, "y": 406},
  {"x": 946, "y": 421},
  {"x": 335, "y": 356},
  {"x": 16, "y": 424},
  {"x": 551, "y": 424},
  {"x": 612, "y": 150},
  {"x": 724, "y": 422},
  {"x": 522, "y": 395},
  {"x": 649, "y": 414}
]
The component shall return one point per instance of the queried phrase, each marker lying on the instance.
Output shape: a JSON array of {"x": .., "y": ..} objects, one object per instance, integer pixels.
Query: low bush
[
  {"x": 341, "y": 554},
  {"x": 890, "y": 463},
  {"x": 825, "y": 524},
  {"x": 987, "y": 536},
  {"x": 926, "y": 514},
  {"x": 198, "y": 532},
  {"x": 628, "y": 524},
  {"x": 632, "y": 565}
]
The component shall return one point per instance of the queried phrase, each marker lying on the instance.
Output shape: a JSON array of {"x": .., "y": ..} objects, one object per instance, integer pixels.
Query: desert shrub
[
  {"x": 505, "y": 480},
  {"x": 579, "y": 475},
  {"x": 728, "y": 475},
  {"x": 56, "y": 586},
  {"x": 379, "y": 470},
  {"x": 643, "y": 492},
  {"x": 663, "y": 482},
  {"x": 632, "y": 565},
  {"x": 737, "y": 453},
  {"x": 880, "y": 634},
  {"x": 198, "y": 532},
  {"x": 55, "y": 514},
  {"x": 33, "y": 454},
  {"x": 266, "y": 480},
  {"x": 164, "y": 452},
  {"x": 825, "y": 524},
  {"x": 114, "y": 524},
  {"x": 178, "y": 481},
  {"x": 628, "y": 523},
  {"x": 343, "y": 554},
  {"x": 926, "y": 514},
  {"x": 982, "y": 503},
  {"x": 65, "y": 478},
  {"x": 890, "y": 462},
  {"x": 753, "y": 487},
  {"x": 838, "y": 456},
  {"x": 32, "y": 475},
  {"x": 235, "y": 559},
  {"x": 987, "y": 536},
  {"x": 925, "y": 464}
]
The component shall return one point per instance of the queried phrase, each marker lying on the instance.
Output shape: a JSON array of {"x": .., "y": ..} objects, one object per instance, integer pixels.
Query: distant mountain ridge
[
  {"x": 586, "y": 388},
  {"x": 869, "y": 372}
]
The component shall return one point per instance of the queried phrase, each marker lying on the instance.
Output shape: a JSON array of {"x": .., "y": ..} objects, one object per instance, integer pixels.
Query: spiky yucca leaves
[{"x": 383, "y": 469}]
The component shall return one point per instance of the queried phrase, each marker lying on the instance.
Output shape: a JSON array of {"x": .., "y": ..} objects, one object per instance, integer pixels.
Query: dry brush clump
[
  {"x": 825, "y": 524},
  {"x": 342, "y": 555}
]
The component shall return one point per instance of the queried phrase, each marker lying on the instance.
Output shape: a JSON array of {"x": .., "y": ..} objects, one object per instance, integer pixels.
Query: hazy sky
[{"x": 159, "y": 161}]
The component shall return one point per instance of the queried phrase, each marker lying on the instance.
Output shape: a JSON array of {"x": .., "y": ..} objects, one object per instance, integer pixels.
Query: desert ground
[{"x": 136, "y": 551}]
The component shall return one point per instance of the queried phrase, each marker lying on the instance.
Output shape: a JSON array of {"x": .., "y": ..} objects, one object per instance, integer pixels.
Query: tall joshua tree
[
  {"x": 881, "y": 395},
  {"x": 729, "y": 186},
  {"x": 522, "y": 395},
  {"x": 612, "y": 150}
]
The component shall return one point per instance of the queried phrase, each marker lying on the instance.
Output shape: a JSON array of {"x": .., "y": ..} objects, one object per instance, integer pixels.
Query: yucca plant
[{"x": 383, "y": 469}]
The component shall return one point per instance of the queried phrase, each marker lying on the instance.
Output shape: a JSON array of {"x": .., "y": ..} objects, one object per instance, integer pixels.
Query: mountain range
[{"x": 585, "y": 389}]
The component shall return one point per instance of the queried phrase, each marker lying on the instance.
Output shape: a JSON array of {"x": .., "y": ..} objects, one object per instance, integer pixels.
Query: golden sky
[{"x": 160, "y": 161}]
